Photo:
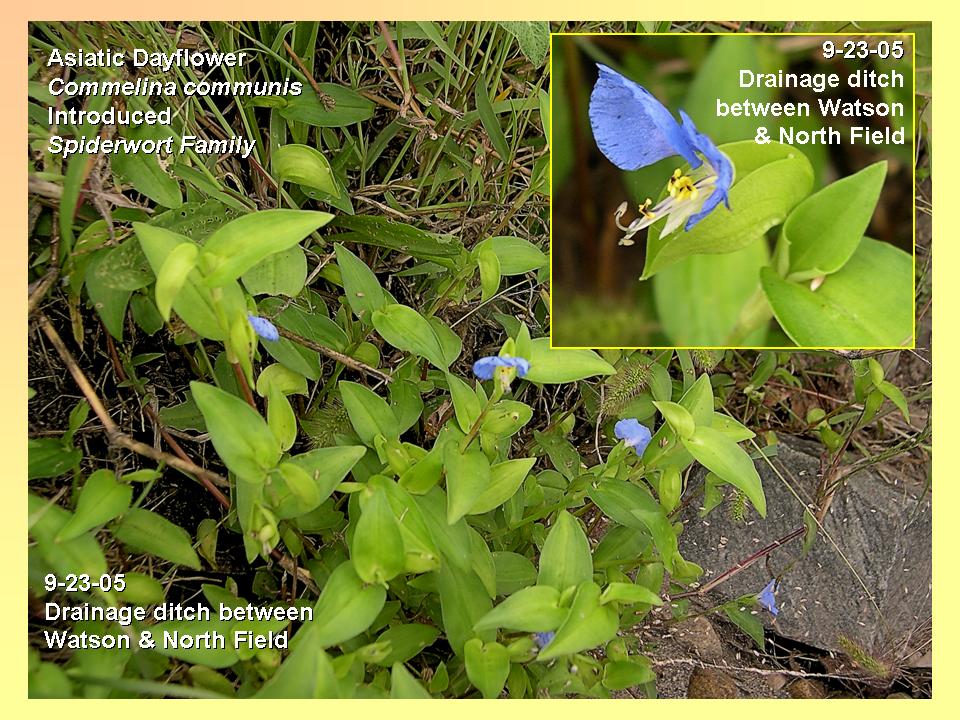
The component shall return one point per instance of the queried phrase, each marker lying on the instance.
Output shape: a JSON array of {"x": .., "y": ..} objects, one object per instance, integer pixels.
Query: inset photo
[{"x": 733, "y": 190}]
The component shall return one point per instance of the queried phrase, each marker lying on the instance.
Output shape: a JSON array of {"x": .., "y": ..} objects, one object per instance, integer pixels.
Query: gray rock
[
  {"x": 697, "y": 635},
  {"x": 882, "y": 536}
]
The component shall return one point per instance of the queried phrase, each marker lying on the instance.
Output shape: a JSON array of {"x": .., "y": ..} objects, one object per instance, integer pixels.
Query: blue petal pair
[
  {"x": 634, "y": 130},
  {"x": 633, "y": 434},
  {"x": 485, "y": 367},
  {"x": 767, "y": 598},
  {"x": 264, "y": 328}
]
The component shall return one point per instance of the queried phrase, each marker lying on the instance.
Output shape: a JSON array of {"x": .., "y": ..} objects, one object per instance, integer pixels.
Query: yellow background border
[{"x": 13, "y": 598}]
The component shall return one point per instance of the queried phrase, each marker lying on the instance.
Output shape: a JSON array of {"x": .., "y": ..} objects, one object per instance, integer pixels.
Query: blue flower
[
  {"x": 767, "y": 599},
  {"x": 264, "y": 328},
  {"x": 633, "y": 434},
  {"x": 542, "y": 639},
  {"x": 485, "y": 367},
  {"x": 634, "y": 130}
]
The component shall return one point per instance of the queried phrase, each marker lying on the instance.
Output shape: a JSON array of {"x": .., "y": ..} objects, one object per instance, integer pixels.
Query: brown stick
[
  {"x": 53, "y": 272},
  {"x": 741, "y": 566},
  {"x": 334, "y": 355},
  {"x": 116, "y": 436}
]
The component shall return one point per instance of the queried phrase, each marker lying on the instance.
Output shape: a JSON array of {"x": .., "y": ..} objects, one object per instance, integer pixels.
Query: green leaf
[
  {"x": 677, "y": 416},
  {"x": 361, "y": 289},
  {"x": 745, "y": 620},
  {"x": 310, "y": 169},
  {"x": 565, "y": 560},
  {"x": 533, "y": 36},
  {"x": 328, "y": 466},
  {"x": 369, "y": 413},
  {"x": 406, "y": 641},
  {"x": 194, "y": 302},
  {"x": 340, "y": 107},
  {"x": 733, "y": 429},
  {"x": 143, "y": 170},
  {"x": 240, "y": 244},
  {"x": 200, "y": 654},
  {"x": 514, "y": 572},
  {"x": 406, "y": 329},
  {"x": 516, "y": 255},
  {"x": 532, "y": 609},
  {"x": 49, "y": 457},
  {"x": 110, "y": 304},
  {"x": 588, "y": 624},
  {"x": 450, "y": 343},
  {"x": 123, "y": 267},
  {"x": 699, "y": 298},
  {"x": 866, "y": 304},
  {"x": 101, "y": 500},
  {"x": 505, "y": 479},
  {"x": 241, "y": 437},
  {"x": 345, "y": 609},
  {"x": 824, "y": 230},
  {"x": 561, "y": 366},
  {"x": 489, "y": 266},
  {"x": 145, "y": 531},
  {"x": 506, "y": 418},
  {"x": 173, "y": 274},
  {"x": 632, "y": 506},
  {"x": 894, "y": 395},
  {"x": 80, "y": 555},
  {"x": 463, "y": 601},
  {"x": 771, "y": 180},
  {"x": 404, "y": 686},
  {"x": 384, "y": 232},
  {"x": 433, "y": 32},
  {"x": 282, "y": 273},
  {"x": 630, "y": 594},
  {"x": 622, "y": 674},
  {"x": 723, "y": 457},
  {"x": 377, "y": 549},
  {"x": 468, "y": 475},
  {"x": 306, "y": 673},
  {"x": 466, "y": 404},
  {"x": 489, "y": 121},
  {"x": 285, "y": 380},
  {"x": 488, "y": 665}
]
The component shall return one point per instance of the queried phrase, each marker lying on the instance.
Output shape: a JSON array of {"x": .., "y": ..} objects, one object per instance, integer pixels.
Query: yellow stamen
[
  {"x": 645, "y": 211},
  {"x": 681, "y": 186}
]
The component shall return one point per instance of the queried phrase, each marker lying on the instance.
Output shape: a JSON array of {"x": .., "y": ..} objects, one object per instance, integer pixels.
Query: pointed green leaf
[
  {"x": 588, "y": 624},
  {"x": 148, "y": 532},
  {"x": 488, "y": 665},
  {"x": 824, "y": 230},
  {"x": 101, "y": 500},
  {"x": 240, "y": 244},
  {"x": 468, "y": 475},
  {"x": 532, "y": 609},
  {"x": 866, "y": 304},
  {"x": 241, "y": 437},
  {"x": 565, "y": 560},
  {"x": 723, "y": 457},
  {"x": 562, "y": 366}
]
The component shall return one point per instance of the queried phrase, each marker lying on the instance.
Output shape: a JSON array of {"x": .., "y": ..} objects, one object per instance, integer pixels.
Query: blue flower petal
[
  {"x": 631, "y": 127},
  {"x": 521, "y": 364},
  {"x": 542, "y": 639},
  {"x": 721, "y": 166},
  {"x": 767, "y": 599},
  {"x": 633, "y": 434},
  {"x": 264, "y": 328},
  {"x": 486, "y": 366}
]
